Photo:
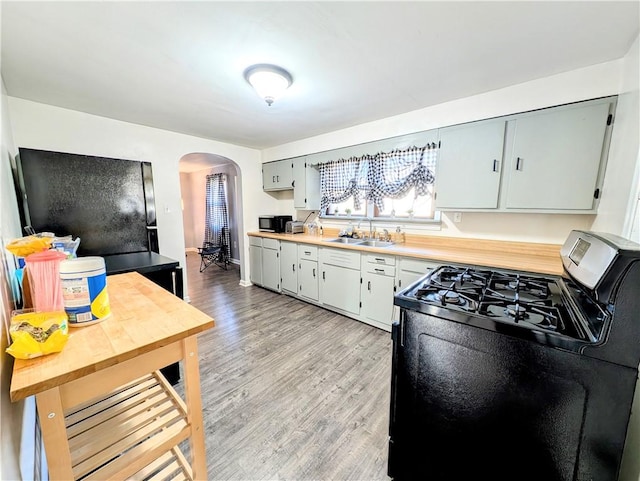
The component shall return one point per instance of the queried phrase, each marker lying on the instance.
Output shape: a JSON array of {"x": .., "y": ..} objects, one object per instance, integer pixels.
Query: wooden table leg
[
  {"x": 54, "y": 434},
  {"x": 194, "y": 404}
]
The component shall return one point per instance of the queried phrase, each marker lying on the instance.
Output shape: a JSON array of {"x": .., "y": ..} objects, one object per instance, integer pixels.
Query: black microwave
[{"x": 273, "y": 223}]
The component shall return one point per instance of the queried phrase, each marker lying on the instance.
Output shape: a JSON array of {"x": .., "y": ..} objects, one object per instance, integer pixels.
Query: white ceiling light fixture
[{"x": 270, "y": 81}]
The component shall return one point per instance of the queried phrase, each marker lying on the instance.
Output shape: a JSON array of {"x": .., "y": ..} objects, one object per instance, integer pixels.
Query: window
[{"x": 390, "y": 185}]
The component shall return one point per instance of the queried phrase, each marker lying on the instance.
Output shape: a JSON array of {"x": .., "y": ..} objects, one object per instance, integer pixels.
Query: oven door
[{"x": 469, "y": 403}]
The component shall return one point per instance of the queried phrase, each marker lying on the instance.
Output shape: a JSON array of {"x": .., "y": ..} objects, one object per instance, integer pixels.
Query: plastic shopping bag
[{"x": 35, "y": 334}]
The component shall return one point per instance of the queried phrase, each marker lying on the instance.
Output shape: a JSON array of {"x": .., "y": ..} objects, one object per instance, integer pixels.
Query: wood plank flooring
[{"x": 290, "y": 391}]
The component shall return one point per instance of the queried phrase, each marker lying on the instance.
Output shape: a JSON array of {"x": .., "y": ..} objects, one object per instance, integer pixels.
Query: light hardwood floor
[{"x": 290, "y": 391}]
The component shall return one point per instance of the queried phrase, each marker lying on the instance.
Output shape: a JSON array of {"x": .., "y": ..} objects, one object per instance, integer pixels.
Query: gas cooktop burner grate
[{"x": 510, "y": 298}]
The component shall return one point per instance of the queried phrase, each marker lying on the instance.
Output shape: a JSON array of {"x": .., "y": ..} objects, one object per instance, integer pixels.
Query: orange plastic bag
[{"x": 31, "y": 244}]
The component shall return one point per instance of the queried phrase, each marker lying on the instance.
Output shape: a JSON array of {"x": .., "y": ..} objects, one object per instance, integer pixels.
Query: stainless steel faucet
[{"x": 370, "y": 225}]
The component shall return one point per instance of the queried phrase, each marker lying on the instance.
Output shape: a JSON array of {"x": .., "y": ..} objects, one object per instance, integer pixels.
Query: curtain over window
[
  {"x": 341, "y": 179},
  {"x": 394, "y": 174},
  {"x": 217, "y": 216},
  {"x": 376, "y": 177}
]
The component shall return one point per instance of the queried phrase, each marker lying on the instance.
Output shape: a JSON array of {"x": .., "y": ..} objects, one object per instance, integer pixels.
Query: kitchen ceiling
[{"x": 178, "y": 65}]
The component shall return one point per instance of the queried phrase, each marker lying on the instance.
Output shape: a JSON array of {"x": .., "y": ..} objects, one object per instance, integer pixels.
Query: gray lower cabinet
[
  {"x": 410, "y": 270},
  {"x": 255, "y": 260},
  {"x": 308, "y": 279},
  {"x": 308, "y": 273},
  {"x": 340, "y": 279},
  {"x": 360, "y": 285},
  {"x": 289, "y": 267},
  {"x": 271, "y": 264},
  {"x": 377, "y": 289}
]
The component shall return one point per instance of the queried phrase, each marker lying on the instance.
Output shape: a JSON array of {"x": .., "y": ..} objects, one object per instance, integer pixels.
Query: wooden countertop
[
  {"x": 144, "y": 317},
  {"x": 522, "y": 256}
]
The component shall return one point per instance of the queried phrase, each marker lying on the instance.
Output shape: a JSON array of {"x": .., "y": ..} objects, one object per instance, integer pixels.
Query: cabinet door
[
  {"x": 306, "y": 185},
  {"x": 289, "y": 267},
  {"x": 376, "y": 296},
  {"x": 271, "y": 269},
  {"x": 469, "y": 164},
  {"x": 255, "y": 264},
  {"x": 277, "y": 175},
  {"x": 284, "y": 174},
  {"x": 556, "y": 158},
  {"x": 308, "y": 279},
  {"x": 269, "y": 172},
  {"x": 410, "y": 270},
  {"x": 340, "y": 288}
]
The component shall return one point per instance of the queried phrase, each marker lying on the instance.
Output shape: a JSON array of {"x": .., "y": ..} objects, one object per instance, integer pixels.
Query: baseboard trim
[{"x": 245, "y": 283}]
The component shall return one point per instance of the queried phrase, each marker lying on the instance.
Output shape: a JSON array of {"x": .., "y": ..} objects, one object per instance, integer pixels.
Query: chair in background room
[{"x": 215, "y": 252}]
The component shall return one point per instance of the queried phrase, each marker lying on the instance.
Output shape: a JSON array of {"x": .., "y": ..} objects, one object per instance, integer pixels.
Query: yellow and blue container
[{"x": 84, "y": 289}]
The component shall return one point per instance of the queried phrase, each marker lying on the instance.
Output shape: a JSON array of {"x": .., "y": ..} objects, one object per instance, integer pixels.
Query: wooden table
[{"x": 104, "y": 409}]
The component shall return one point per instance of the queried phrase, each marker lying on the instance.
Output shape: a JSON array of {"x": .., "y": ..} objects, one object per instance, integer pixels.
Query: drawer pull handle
[
  {"x": 307, "y": 253},
  {"x": 369, "y": 286},
  {"x": 379, "y": 259},
  {"x": 379, "y": 270},
  {"x": 519, "y": 163},
  {"x": 323, "y": 278},
  {"x": 314, "y": 272},
  {"x": 294, "y": 267},
  {"x": 495, "y": 165}
]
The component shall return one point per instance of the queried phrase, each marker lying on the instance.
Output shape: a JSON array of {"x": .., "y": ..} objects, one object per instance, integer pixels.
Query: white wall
[
  {"x": 46, "y": 127},
  {"x": 11, "y": 413},
  {"x": 591, "y": 82}
]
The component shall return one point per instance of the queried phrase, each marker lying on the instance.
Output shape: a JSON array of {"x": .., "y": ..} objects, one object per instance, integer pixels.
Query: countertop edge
[{"x": 544, "y": 259}]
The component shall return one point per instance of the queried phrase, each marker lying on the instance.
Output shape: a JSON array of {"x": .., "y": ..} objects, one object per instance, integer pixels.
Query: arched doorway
[{"x": 193, "y": 169}]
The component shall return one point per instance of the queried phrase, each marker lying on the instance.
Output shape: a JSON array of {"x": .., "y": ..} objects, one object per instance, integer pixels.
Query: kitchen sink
[
  {"x": 375, "y": 243},
  {"x": 360, "y": 242},
  {"x": 345, "y": 240}
]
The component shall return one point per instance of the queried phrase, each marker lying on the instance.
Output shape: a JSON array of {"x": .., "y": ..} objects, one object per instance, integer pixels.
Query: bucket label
[{"x": 85, "y": 298}]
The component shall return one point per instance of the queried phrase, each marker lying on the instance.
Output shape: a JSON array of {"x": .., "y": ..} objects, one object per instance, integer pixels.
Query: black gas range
[{"x": 514, "y": 375}]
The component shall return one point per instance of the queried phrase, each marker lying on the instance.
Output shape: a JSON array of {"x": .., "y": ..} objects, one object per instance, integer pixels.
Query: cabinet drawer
[
  {"x": 380, "y": 259},
  {"x": 340, "y": 258},
  {"x": 381, "y": 270},
  {"x": 255, "y": 241},
  {"x": 307, "y": 252},
  {"x": 270, "y": 243},
  {"x": 415, "y": 265}
]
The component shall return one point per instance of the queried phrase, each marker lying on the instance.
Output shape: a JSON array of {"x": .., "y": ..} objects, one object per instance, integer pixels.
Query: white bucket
[{"x": 84, "y": 289}]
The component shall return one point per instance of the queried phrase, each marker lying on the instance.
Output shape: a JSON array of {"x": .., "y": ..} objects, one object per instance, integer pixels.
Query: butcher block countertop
[
  {"x": 523, "y": 256},
  {"x": 144, "y": 317}
]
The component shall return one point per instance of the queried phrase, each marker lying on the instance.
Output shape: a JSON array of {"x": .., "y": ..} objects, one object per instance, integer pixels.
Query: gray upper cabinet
[
  {"x": 555, "y": 161},
  {"x": 550, "y": 160},
  {"x": 306, "y": 185},
  {"x": 277, "y": 175},
  {"x": 469, "y": 165}
]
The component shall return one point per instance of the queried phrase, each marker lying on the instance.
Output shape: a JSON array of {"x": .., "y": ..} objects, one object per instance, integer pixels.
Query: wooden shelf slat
[{"x": 123, "y": 432}]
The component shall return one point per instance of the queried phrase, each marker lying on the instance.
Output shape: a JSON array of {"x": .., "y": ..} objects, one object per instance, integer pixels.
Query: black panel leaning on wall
[{"x": 101, "y": 200}]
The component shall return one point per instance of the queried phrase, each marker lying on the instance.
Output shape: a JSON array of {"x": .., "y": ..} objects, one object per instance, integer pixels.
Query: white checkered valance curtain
[
  {"x": 374, "y": 177},
  {"x": 343, "y": 178},
  {"x": 394, "y": 174}
]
